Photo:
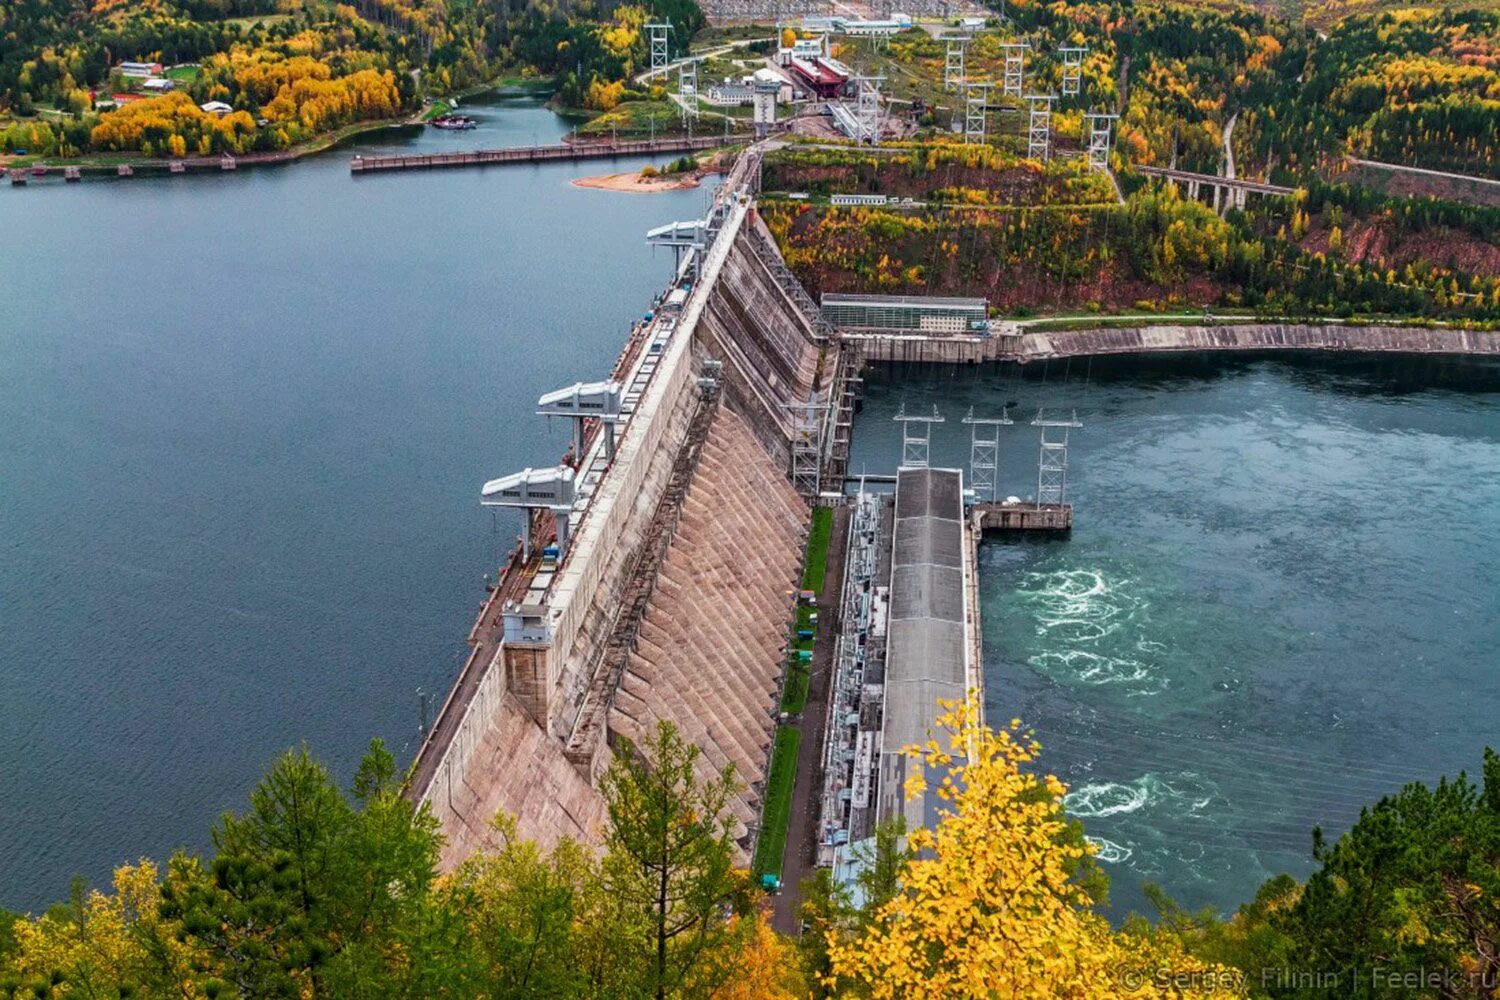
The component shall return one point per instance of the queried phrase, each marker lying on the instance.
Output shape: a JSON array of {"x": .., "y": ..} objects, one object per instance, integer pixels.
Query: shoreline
[
  {"x": 631, "y": 182},
  {"x": 109, "y": 162}
]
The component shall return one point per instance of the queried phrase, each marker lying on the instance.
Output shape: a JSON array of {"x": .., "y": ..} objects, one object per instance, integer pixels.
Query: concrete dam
[{"x": 671, "y": 587}]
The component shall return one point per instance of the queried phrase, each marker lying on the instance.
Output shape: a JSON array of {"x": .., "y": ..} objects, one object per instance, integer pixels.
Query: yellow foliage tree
[{"x": 988, "y": 907}]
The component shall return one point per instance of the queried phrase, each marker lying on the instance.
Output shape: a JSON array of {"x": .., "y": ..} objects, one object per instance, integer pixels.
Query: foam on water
[
  {"x": 1181, "y": 793},
  {"x": 1109, "y": 852},
  {"x": 1086, "y": 624}
]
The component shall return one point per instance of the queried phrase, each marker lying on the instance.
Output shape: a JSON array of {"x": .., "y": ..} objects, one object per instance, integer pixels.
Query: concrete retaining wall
[{"x": 917, "y": 348}]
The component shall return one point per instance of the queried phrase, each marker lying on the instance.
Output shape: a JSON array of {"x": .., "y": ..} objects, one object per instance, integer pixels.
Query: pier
[{"x": 534, "y": 154}]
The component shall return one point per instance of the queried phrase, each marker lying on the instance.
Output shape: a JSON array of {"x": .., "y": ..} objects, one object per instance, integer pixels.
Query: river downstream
[
  {"x": 1280, "y": 599},
  {"x": 244, "y": 419}
]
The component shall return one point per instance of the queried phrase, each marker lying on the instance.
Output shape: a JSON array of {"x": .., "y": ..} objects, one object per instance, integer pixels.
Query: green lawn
[
  {"x": 183, "y": 74},
  {"x": 776, "y": 814},
  {"x": 817, "y": 549},
  {"x": 814, "y": 569}
]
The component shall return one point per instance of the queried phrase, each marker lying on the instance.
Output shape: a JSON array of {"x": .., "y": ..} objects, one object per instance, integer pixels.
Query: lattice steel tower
[
  {"x": 1101, "y": 127},
  {"x": 953, "y": 67},
  {"x": 1072, "y": 67},
  {"x": 1039, "y": 137},
  {"x": 1052, "y": 466},
  {"x": 660, "y": 51},
  {"x": 984, "y": 452},
  {"x": 867, "y": 108},
  {"x": 915, "y": 448},
  {"x": 1015, "y": 67},
  {"x": 976, "y": 101}
]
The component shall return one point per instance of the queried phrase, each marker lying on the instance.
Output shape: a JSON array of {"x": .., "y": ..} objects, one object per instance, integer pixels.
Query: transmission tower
[
  {"x": 953, "y": 68},
  {"x": 1039, "y": 138},
  {"x": 1101, "y": 127},
  {"x": 1052, "y": 466},
  {"x": 976, "y": 101},
  {"x": 984, "y": 452},
  {"x": 660, "y": 51},
  {"x": 867, "y": 108},
  {"x": 1072, "y": 67},
  {"x": 915, "y": 447},
  {"x": 687, "y": 93},
  {"x": 1015, "y": 67}
]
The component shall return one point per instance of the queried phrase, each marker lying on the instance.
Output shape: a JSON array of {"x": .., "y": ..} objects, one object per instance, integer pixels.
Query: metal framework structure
[
  {"x": 1039, "y": 136},
  {"x": 687, "y": 93},
  {"x": 1052, "y": 465},
  {"x": 1072, "y": 67},
  {"x": 1015, "y": 67},
  {"x": 976, "y": 101},
  {"x": 984, "y": 453},
  {"x": 1101, "y": 129},
  {"x": 953, "y": 67},
  {"x": 915, "y": 448},
  {"x": 660, "y": 51},
  {"x": 867, "y": 108},
  {"x": 807, "y": 446}
]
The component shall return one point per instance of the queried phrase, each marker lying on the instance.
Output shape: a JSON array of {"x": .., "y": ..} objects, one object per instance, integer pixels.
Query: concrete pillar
[
  {"x": 527, "y": 677},
  {"x": 1193, "y": 190},
  {"x": 1218, "y": 197},
  {"x": 1239, "y": 199}
]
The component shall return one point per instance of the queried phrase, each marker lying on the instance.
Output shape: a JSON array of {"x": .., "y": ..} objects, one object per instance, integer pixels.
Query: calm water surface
[
  {"x": 243, "y": 424},
  {"x": 1280, "y": 601}
]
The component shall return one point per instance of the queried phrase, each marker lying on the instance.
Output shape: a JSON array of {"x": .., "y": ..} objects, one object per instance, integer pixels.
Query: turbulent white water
[{"x": 1092, "y": 630}]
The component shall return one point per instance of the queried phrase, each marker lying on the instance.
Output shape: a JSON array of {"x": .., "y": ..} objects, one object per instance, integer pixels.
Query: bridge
[
  {"x": 534, "y": 154},
  {"x": 1234, "y": 187}
]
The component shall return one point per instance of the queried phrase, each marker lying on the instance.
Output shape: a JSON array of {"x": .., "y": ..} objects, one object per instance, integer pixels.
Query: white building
[
  {"x": 158, "y": 85},
  {"x": 140, "y": 69},
  {"x": 216, "y": 108}
]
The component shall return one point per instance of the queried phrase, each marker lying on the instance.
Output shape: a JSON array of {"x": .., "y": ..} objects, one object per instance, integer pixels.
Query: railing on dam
[{"x": 533, "y": 154}]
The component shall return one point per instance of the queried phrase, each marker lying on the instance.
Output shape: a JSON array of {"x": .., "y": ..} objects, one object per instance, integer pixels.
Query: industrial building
[
  {"x": 822, "y": 77},
  {"x": 926, "y": 313}
]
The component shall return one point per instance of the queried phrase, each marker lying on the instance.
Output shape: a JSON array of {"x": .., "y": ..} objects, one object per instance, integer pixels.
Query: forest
[
  {"x": 1328, "y": 251},
  {"x": 316, "y": 890},
  {"x": 1414, "y": 85},
  {"x": 290, "y": 69}
]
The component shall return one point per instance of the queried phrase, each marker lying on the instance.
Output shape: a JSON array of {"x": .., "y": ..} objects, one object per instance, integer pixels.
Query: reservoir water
[
  {"x": 243, "y": 424},
  {"x": 1280, "y": 599}
]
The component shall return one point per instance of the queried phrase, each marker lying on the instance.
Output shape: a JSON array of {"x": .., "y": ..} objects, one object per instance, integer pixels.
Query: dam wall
[
  {"x": 1015, "y": 343},
  {"x": 766, "y": 338},
  {"x": 674, "y": 596}
]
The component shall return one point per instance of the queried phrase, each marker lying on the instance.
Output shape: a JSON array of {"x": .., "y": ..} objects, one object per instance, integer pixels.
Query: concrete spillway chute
[
  {"x": 534, "y": 489},
  {"x": 580, "y": 401}
]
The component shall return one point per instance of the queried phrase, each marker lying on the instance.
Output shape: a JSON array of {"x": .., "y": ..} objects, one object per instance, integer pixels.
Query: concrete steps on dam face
[{"x": 712, "y": 643}]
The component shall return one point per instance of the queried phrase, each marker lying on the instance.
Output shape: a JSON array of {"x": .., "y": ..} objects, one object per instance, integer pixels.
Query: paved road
[{"x": 807, "y": 790}]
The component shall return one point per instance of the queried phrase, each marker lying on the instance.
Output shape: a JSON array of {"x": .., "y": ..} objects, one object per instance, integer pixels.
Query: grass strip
[{"x": 776, "y": 813}]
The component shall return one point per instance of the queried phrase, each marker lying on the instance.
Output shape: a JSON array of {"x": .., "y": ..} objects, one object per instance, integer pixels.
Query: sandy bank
[{"x": 636, "y": 184}]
